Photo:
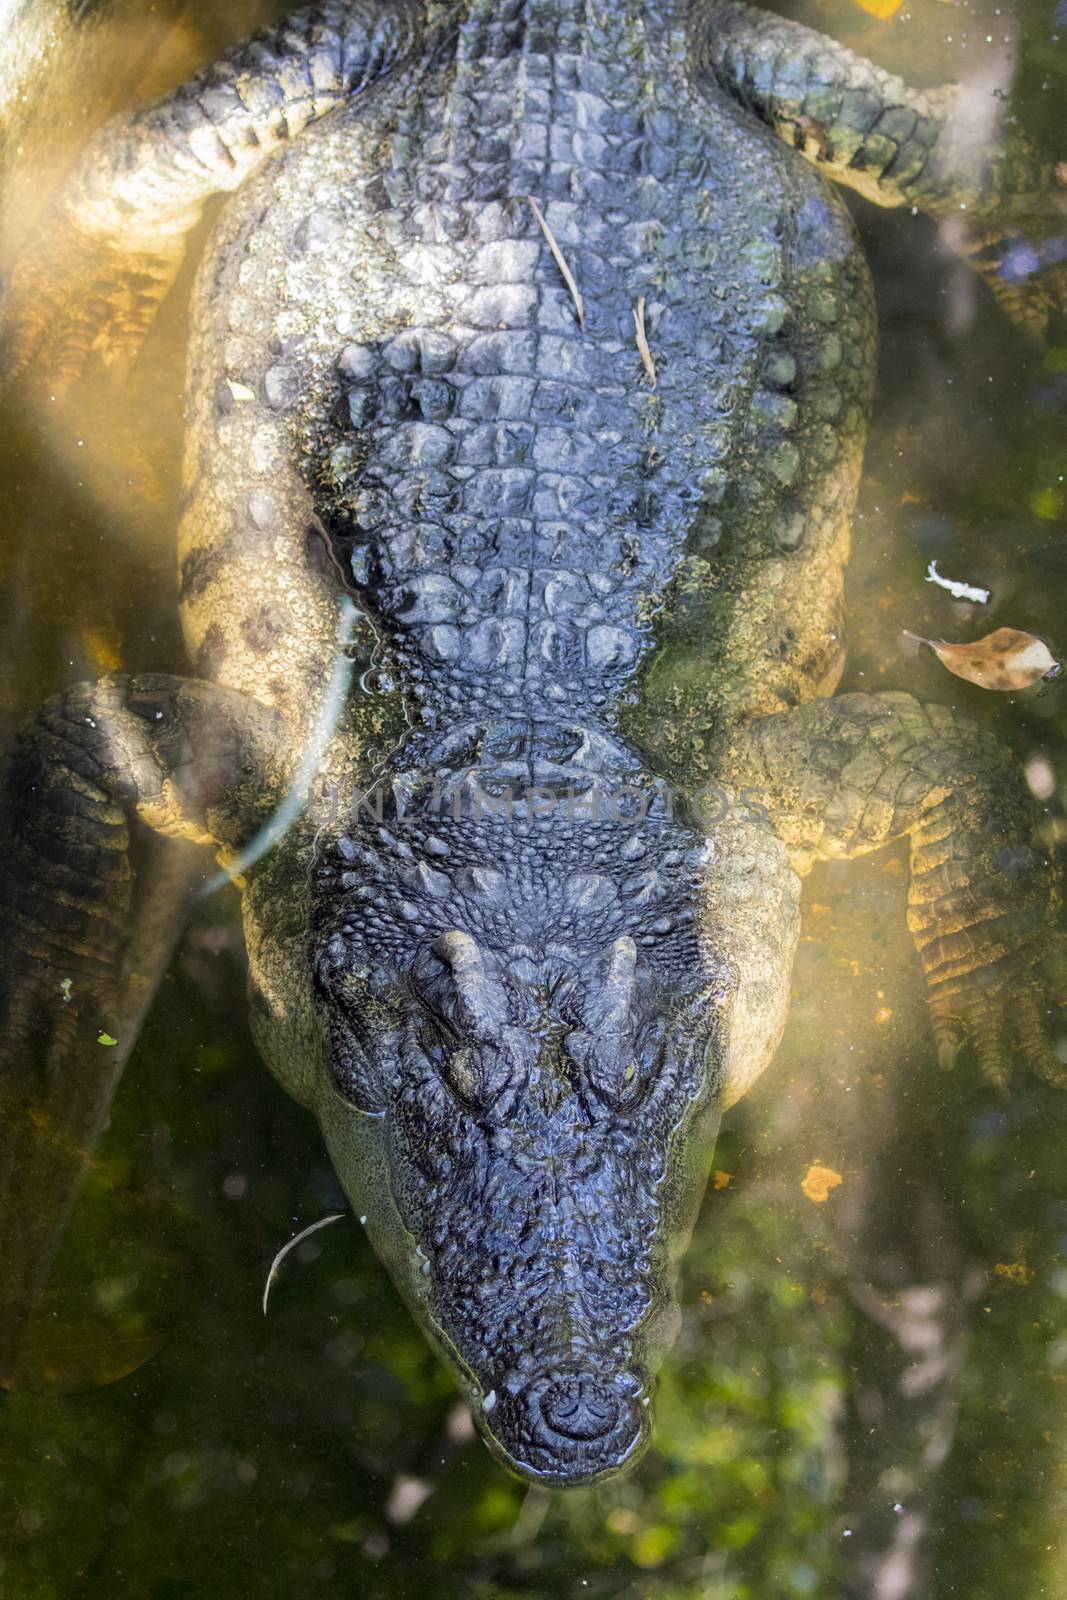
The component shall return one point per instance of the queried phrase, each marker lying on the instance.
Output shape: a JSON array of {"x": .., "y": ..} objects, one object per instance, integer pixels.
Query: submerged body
[
  {"x": 511, "y": 500},
  {"x": 510, "y": 955}
]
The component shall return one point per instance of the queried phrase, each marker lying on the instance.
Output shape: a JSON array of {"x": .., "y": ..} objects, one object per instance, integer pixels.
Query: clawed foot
[
  {"x": 71, "y": 294},
  {"x": 1007, "y": 1012},
  {"x": 983, "y": 909}
]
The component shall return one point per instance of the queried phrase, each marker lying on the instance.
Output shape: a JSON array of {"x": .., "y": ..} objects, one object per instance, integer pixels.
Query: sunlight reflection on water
[{"x": 288, "y": 1459}]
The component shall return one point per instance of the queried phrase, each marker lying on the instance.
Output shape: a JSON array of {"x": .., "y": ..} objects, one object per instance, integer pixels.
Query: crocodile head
[{"x": 521, "y": 1100}]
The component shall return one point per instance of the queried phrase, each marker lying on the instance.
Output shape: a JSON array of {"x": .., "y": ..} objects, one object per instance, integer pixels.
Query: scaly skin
[{"x": 518, "y": 979}]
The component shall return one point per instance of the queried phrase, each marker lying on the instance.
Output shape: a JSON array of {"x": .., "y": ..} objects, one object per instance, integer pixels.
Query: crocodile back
[{"x": 516, "y": 491}]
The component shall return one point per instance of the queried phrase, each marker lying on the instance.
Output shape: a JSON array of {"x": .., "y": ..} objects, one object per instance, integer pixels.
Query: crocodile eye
[
  {"x": 478, "y": 1075},
  {"x": 629, "y": 1087},
  {"x": 610, "y": 1067},
  {"x": 624, "y": 1090},
  {"x": 361, "y": 1026},
  {"x": 354, "y": 1069}
]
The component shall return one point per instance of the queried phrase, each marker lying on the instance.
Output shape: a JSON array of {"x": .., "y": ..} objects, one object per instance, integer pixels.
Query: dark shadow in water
[{"x": 867, "y": 1396}]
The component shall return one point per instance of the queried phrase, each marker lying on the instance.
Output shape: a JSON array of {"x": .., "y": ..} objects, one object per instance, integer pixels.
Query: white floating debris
[
  {"x": 1040, "y": 777},
  {"x": 323, "y": 1222},
  {"x": 405, "y": 1498},
  {"x": 958, "y": 591},
  {"x": 459, "y": 1424},
  {"x": 490, "y": 1401},
  {"x": 240, "y": 391}
]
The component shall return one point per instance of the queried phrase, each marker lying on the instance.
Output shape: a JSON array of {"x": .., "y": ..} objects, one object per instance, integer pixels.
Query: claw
[
  {"x": 994, "y": 1060},
  {"x": 1048, "y": 1067},
  {"x": 949, "y": 1037},
  {"x": 1031, "y": 1027},
  {"x": 947, "y": 1054},
  {"x": 74, "y": 295},
  {"x": 118, "y": 365}
]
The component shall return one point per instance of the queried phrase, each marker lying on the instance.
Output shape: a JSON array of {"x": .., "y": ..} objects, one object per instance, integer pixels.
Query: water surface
[{"x": 869, "y": 1395}]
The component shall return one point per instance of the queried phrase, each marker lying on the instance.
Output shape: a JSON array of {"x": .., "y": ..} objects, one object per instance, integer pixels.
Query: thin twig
[
  {"x": 561, "y": 263},
  {"x": 316, "y": 525},
  {"x": 323, "y": 1222},
  {"x": 642, "y": 342}
]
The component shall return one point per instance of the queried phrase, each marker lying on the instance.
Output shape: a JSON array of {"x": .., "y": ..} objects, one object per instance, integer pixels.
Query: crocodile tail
[{"x": 90, "y": 907}]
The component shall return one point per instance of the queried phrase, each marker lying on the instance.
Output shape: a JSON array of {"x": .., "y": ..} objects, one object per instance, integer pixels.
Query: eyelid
[
  {"x": 623, "y": 1087},
  {"x": 441, "y": 1028},
  {"x": 460, "y": 1073},
  {"x": 352, "y": 1070}
]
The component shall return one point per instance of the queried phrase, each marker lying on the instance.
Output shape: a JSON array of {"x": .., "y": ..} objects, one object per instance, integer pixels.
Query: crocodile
[{"x": 529, "y": 372}]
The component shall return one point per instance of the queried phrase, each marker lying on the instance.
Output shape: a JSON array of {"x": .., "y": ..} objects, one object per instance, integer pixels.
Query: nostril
[
  {"x": 571, "y": 1426},
  {"x": 579, "y": 1407}
]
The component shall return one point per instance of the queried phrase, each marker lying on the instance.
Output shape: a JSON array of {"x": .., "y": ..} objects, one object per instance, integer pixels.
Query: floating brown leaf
[
  {"x": 60, "y": 1357},
  {"x": 1006, "y": 659}
]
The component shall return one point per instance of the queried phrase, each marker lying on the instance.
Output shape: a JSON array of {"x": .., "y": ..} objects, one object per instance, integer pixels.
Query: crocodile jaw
[
  {"x": 526, "y": 1128},
  {"x": 538, "y": 1257}
]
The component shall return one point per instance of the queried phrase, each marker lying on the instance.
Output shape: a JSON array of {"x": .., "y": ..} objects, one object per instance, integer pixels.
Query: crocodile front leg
[
  {"x": 940, "y": 150},
  {"x": 842, "y": 777},
  {"x": 84, "y": 934},
  {"x": 103, "y": 261}
]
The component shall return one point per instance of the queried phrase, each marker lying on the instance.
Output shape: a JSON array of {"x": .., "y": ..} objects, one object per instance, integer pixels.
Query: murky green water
[{"x": 869, "y": 1395}]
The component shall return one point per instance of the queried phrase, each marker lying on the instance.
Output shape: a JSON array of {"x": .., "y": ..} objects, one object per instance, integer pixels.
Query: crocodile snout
[
  {"x": 571, "y": 1427},
  {"x": 579, "y": 1408}
]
